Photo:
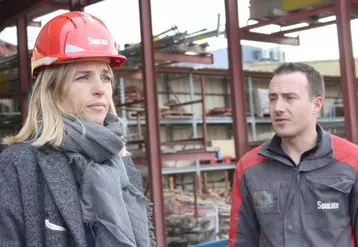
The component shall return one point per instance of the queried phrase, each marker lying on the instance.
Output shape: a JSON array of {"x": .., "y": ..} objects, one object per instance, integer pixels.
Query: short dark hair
[{"x": 314, "y": 78}]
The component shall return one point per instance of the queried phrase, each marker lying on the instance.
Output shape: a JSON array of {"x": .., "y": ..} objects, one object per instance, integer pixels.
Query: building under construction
[{"x": 188, "y": 126}]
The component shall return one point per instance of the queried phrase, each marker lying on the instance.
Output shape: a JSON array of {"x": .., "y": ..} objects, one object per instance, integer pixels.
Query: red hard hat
[{"x": 72, "y": 36}]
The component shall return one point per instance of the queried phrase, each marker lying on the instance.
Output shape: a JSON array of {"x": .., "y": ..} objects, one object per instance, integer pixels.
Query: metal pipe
[
  {"x": 205, "y": 127},
  {"x": 237, "y": 81},
  {"x": 194, "y": 122},
  {"x": 347, "y": 67},
  {"x": 195, "y": 193},
  {"x": 152, "y": 146},
  {"x": 123, "y": 96},
  {"x": 195, "y": 129},
  {"x": 192, "y": 98},
  {"x": 251, "y": 108}
]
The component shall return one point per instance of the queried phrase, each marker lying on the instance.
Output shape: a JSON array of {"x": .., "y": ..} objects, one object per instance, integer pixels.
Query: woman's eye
[
  {"x": 82, "y": 78},
  {"x": 106, "y": 79}
]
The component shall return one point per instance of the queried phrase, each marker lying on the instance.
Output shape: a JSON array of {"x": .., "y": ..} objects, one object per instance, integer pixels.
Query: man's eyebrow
[{"x": 290, "y": 94}]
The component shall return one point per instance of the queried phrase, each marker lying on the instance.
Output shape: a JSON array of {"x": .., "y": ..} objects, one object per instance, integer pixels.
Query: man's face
[{"x": 292, "y": 109}]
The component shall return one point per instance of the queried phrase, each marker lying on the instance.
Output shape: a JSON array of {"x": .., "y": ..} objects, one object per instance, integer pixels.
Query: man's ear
[{"x": 318, "y": 104}]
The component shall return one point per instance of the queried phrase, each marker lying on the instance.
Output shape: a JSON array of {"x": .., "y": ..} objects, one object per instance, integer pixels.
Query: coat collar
[
  {"x": 322, "y": 153},
  {"x": 59, "y": 177}
]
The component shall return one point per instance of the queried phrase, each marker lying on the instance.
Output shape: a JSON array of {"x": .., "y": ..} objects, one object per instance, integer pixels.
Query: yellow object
[
  {"x": 227, "y": 147},
  {"x": 290, "y": 5},
  {"x": 4, "y": 81}
]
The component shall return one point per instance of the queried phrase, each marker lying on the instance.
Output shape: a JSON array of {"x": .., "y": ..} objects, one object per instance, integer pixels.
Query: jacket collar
[
  {"x": 323, "y": 151},
  {"x": 59, "y": 177}
]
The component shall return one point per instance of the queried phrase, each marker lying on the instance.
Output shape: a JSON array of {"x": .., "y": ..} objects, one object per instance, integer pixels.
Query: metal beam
[
  {"x": 236, "y": 78},
  {"x": 269, "y": 38},
  {"x": 10, "y": 10},
  {"x": 292, "y": 17},
  {"x": 348, "y": 76},
  {"x": 203, "y": 72},
  {"x": 190, "y": 155},
  {"x": 10, "y": 95},
  {"x": 196, "y": 154},
  {"x": 312, "y": 26},
  {"x": 152, "y": 138},
  {"x": 55, "y": 6},
  {"x": 180, "y": 57},
  {"x": 24, "y": 64},
  {"x": 133, "y": 74},
  {"x": 182, "y": 142}
]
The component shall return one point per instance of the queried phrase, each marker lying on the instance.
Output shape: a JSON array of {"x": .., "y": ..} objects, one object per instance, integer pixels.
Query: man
[{"x": 299, "y": 188}]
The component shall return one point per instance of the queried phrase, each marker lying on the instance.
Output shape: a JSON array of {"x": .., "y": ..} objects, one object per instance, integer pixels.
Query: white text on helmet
[{"x": 93, "y": 41}]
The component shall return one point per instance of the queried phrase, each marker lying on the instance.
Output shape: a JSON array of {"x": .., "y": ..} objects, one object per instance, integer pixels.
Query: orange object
[{"x": 73, "y": 36}]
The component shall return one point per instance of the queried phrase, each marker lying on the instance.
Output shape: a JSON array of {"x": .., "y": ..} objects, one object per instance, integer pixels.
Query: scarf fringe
[
  {"x": 150, "y": 223},
  {"x": 134, "y": 191}
]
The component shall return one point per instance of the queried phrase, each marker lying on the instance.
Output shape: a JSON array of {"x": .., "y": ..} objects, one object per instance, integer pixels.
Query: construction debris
[
  {"x": 131, "y": 94},
  {"x": 220, "y": 111},
  {"x": 176, "y": 114},
  {"x": 175, "y": 110},
  {"x": 187, "y": 225}
]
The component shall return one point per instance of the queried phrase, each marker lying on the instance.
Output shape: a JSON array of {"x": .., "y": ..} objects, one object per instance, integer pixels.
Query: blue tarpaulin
[{"x": 217, "y": 243}]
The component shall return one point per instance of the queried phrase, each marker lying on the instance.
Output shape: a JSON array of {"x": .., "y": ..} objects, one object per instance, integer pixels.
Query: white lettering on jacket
[
  {"x": 93, "y": 41},
  {"x": 329, "y": 205}
]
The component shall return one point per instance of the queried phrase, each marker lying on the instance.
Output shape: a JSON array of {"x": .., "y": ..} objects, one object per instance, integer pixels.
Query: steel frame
[
  {"x": 348, "y": 76},
  {"x": 152, "y": 140},
  {"x": 10, "y": 12},
  {"x": 24, "y": 64}
]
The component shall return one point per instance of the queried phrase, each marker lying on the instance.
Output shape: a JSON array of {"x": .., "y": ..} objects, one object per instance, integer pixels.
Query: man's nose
[{"x": 279, "y": 106}]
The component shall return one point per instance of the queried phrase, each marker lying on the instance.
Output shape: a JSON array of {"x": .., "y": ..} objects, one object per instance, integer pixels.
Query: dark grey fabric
[
  {"x": 312, "y": 204},
  {"x": 38, "y": 186}
]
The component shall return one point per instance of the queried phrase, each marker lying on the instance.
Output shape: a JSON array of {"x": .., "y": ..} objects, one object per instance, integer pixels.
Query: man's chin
[{"x": 283, "y": 133}]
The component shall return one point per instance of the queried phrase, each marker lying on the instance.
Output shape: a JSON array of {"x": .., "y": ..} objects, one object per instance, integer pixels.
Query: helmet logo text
[{"x": 93, "y": 41}]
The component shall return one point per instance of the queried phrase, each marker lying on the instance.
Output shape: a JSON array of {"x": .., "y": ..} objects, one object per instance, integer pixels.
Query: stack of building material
[
  {"x": 133, "y": 102},
  {"x": 220, "y": 111},
  {"x": 131, "y": 94},
  {"x": 184, "y": 228},
  {"x": 175, "y": 110}
]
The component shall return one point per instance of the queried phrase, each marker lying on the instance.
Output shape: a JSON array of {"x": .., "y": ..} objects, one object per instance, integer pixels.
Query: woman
[{"x": 66, "y": 178}]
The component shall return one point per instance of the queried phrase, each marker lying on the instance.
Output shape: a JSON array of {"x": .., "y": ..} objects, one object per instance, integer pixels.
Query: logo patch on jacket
[
  {"x": 328, "y": 205},
  {"x": 263, "y": 198}
]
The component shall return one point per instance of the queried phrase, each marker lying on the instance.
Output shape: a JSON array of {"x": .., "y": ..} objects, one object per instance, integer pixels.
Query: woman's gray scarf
[{"x": 110, "y": 201}]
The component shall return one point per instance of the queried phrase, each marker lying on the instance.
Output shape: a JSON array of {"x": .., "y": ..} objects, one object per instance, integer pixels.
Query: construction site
[{"x": 188, "y": 121}]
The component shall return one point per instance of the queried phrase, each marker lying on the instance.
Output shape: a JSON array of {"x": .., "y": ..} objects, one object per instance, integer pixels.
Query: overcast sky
[{"x": 122, "y": 18}]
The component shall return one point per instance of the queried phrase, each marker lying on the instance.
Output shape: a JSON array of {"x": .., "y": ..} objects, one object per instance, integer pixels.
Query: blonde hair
[{"x": 44, "y": 122}]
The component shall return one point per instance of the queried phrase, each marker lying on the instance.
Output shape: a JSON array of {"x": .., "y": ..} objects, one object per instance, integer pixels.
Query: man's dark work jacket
[{"x": 276, "y": 203}]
